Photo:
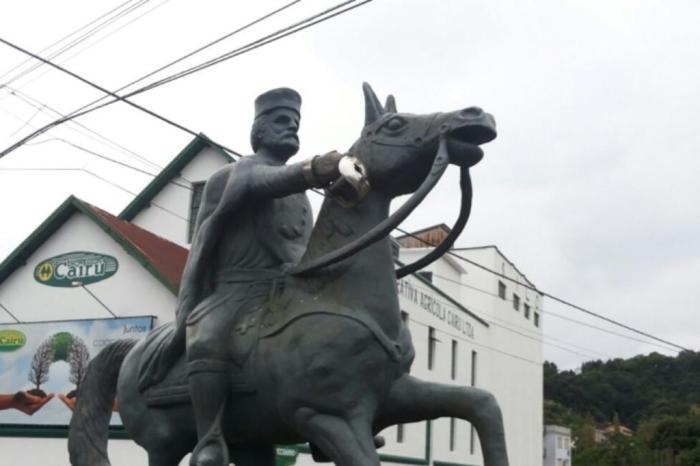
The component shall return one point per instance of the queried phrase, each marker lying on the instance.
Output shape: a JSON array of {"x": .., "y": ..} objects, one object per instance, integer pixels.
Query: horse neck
[{"x": 365, "y": 281}]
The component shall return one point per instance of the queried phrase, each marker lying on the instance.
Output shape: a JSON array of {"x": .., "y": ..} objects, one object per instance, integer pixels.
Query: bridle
[{"x": 382, "y": 229}]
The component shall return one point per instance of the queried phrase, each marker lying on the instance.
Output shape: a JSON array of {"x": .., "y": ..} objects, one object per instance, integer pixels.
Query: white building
[
  {"x": 557, "y": 446},
  {"x": 469, "y": 326}
]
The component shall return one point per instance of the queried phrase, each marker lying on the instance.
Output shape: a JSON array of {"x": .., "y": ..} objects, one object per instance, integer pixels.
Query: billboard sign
[
  {"x": 79, "y": 267},
  {"x": 42, "y": 364}
]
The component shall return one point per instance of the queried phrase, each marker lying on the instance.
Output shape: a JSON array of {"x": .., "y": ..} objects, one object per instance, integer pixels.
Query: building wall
[
  {"x": 132, "y": 291},
  {"x": 557, "y": 446},
  {"x": 172, "y": 223}
]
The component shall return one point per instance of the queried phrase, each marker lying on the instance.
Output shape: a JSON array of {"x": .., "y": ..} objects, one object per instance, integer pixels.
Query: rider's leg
[
  {"x": 209, "y": 389},
  {"x": 209, "y": 374}
]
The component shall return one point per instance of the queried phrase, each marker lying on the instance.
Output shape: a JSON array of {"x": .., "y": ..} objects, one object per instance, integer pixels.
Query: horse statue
[{"x": 330, "y": 356}]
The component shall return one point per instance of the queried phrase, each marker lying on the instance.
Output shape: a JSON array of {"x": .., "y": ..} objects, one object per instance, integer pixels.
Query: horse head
[{"x": 398, "y": 149}]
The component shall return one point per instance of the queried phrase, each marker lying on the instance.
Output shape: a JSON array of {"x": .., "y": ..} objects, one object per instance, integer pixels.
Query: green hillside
[{"x": 657, "y": 396}]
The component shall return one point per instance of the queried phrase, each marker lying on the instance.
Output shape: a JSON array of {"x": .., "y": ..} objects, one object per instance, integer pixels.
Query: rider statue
[{"x": 253, "y": 224}]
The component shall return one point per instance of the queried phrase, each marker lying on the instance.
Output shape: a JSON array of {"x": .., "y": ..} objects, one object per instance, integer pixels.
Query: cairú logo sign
[
  {"x": 73, "y": 268},
  {"x": 11, "y": 340}
]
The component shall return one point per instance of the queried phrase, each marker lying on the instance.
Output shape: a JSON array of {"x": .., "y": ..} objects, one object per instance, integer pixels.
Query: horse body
[{"x": 333, "y": 368}]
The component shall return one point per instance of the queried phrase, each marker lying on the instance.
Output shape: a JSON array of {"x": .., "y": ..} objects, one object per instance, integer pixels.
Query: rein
[
  {"x": 465, "y": 185},
  {"x": 382, "y": 229}
]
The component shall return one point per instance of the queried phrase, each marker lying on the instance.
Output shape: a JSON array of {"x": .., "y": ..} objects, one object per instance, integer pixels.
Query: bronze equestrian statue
[{"x": 309, "y": 346}]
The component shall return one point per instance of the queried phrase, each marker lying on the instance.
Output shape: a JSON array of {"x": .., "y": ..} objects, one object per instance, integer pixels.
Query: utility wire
[
  {"x": 82, "y": 285},
  {"x": 89, "y": 132},
  {"x": 548, "y": 295},
  {"x": 78, "y": 40},
  {"x": 84, "y": 110},
  {"x": 93, "y": 174},
  {"x": 48, "y": 47},
  {"x": 10, "y": 314},
  {"x": 133, "y": 20},
  {"x": 101, "y": 156},
  {"x": 546, "y": 312},
  {"x": 102, "y": 89}
]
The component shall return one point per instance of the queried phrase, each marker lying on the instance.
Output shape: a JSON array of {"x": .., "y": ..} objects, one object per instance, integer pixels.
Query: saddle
[{"x": 251, "y": 326}]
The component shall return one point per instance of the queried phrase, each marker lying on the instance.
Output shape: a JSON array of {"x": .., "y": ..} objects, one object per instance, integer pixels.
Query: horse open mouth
[{"x": 463, "y": 143}]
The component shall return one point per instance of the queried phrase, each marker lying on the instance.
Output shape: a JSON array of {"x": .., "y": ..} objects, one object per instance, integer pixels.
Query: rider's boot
[{"x": 209, "y": 391}]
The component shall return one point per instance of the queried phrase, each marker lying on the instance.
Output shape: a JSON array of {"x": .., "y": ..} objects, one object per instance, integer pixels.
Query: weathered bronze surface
[{"x": 286, "y": 340}]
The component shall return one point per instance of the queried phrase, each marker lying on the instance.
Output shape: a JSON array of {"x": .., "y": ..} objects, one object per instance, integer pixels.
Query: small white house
[{"x": 557, "y": 446}]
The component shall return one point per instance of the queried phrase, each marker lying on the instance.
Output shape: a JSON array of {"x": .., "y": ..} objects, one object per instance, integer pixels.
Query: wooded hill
[
  {"x": 643, "y": 387},
  {"x": 657, "y": 396}
]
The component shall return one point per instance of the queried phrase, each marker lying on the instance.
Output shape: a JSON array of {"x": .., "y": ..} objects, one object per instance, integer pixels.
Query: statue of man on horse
[
  {"x": 293, "y": 331},
  {"x": 253, "y": 223}
]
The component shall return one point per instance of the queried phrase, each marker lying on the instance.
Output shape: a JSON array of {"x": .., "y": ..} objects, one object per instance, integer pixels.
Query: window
[
  {"x": 432, "y": 343},
  {"x": 454, "y": 359},
  {"x": 426, "y": 275},
  {"x": 559, "y": 443},
  {"x": 526, "y": 310},
  {"x": 453, "y": 434},
  {"x": 473, "y": 374},
  {"x": 404, "y": 317},
  {"x": 566, "y": 443},
  {"x": 501, "y": 290},
  {"x": 399, "y": 433},
  {"x": 516, "y": 302},
  {"x": 537, "y": 319},
  {"x": 195, "y": 201}
]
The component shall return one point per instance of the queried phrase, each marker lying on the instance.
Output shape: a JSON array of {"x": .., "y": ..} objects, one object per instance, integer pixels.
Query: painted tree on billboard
[{"x": 39, "y": 369}]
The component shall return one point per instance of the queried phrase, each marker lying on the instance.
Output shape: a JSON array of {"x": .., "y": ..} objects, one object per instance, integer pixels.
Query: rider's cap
[{"x": 282, "y": 97}]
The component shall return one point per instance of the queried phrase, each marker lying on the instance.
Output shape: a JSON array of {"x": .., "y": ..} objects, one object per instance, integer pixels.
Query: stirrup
[{"x": 213, "y": 438}]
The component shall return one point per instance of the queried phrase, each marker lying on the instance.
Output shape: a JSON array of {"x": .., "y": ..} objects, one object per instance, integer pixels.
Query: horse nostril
[{"x": 471, "y": 112}]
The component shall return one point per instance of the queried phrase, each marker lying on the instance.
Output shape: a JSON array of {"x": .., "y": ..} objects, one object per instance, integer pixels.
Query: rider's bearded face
[{"x": 278, "y": 132}]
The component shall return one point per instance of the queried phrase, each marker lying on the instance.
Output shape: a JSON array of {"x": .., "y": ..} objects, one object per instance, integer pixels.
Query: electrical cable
[
  {"x": 48, "y": 47},
  {"x": 550, "y": 296},
  {"x": 557, "y": 315},
  {"x": 10, "y": 314},
  {"x": 165, "y": 209},
  {"x": 77, "y": 41},
  {"x": 101, "y": 156},
  {"x": 111, "y": 33},
  {"x": 84, "y": 110}
]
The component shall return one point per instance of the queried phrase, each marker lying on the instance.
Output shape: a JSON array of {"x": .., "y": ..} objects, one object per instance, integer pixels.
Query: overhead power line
[
  {"x": 252, "y": 46},
  {"x": 82, "y": 38},
  {"x": 548, "y": 295},
  {"x": 53, "y": 44},
  {"x": 101, "y": 178},
  {"x": 102, "y": 89}
]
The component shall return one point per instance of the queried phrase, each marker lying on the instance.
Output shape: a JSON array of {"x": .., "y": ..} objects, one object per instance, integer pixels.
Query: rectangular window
[
  {"x": 195, "y": 201},
  {"x": 501, "y": 290},
  {"x": 404, "y": 317},
  {"x": 516, "y": 302},
  {"x": 454, "y": 359},
  {"x": 399, "y": 433},
  {"x": 537, "y": 319},
  {"x": 559, "y": 444},
  {"x": 453, "y": 434},
  {"x": 526, "y": 310},
  {"x": 426, "y": 275},
  {"x": 473, "y": 374},
  {"x": 432, "y": 346}
]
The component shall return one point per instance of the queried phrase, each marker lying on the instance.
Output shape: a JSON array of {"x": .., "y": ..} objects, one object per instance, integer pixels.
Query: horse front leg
[{"x": 412, "y": 400}]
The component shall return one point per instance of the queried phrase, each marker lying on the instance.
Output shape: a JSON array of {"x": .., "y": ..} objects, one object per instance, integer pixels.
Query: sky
[{"x": 590, "y": 188}]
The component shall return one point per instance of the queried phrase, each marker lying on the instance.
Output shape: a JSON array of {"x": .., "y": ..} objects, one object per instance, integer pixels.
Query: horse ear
[
  {"x": 390, "y": 106},
  {"x": 373, "y": 109}
]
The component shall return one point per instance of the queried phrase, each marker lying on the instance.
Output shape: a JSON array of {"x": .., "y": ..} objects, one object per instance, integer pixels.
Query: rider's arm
[{"x": 268, "y": 181}]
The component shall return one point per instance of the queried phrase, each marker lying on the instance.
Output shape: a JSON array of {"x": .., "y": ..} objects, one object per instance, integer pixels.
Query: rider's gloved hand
[{"x": 325, "y": 168}]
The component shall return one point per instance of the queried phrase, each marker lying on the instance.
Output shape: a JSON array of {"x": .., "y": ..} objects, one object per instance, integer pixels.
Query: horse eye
[{"x": 395, "y": 124}]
